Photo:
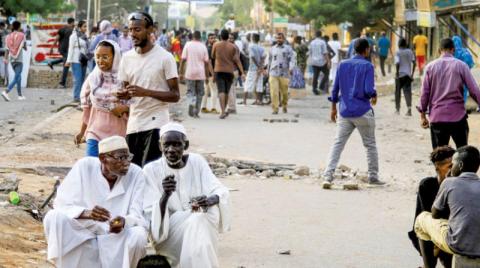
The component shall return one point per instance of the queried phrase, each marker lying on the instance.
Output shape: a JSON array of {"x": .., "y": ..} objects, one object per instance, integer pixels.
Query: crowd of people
[
  {"x": 137, "y": 180},
  {"x": 446, "y": 225}
]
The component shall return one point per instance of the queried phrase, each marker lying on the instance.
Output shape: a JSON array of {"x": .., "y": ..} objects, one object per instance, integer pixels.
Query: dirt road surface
[{"x": 365, "y": 228}]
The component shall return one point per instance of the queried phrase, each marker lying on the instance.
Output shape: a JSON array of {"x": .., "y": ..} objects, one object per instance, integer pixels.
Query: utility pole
[
  {"x": 88, "y": 16},
  {"x": 168, "y": 5}
]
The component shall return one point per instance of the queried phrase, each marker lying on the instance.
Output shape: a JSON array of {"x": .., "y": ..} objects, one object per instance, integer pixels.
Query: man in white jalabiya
[
  {"x": 186, "y": 204},
  {"x": 97, "y": 220}
]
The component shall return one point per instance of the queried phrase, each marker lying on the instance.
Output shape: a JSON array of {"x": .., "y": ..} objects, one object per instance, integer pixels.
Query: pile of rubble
[
  {"x": 225, "y": 167},
  {"x": 345, "y": 177}
]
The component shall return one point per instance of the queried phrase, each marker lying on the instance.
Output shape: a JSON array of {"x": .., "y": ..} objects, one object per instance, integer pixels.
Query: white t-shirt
[
  {"x": 150, "y": 71},
  {"x": 335, "y": 45}
]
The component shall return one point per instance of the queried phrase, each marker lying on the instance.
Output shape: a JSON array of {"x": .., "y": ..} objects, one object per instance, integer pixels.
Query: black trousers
[
  {"x": 404, "y": 83},
  {"x": 63, "y": 80},
  {"x": 441, "y": 133},
  {"x": 145, "y": 146},
  {"x": 316, "y": 74},
  {"x": 382, "y": 64}
]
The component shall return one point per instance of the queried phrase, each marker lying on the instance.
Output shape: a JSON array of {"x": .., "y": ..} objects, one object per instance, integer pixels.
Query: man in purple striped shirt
[{"x": 442, "y": 98}]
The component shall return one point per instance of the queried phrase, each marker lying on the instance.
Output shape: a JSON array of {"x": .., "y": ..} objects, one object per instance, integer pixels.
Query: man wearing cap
[
  {"x": 150, "y": 80},
  {"x": 97, "y": 220},
  {"x": 186, "y": 204}
]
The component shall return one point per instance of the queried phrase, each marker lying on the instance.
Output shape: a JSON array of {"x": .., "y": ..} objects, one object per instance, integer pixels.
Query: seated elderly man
[
  {"x": 97, "y": 220},
  {"x": 186, "y": 204},
  {"x": 457, "y": 200}
]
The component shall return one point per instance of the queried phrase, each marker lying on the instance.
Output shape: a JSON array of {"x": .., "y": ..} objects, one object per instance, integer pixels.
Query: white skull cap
[
  {"x": 172, "y": 126},
  {"x": 111, "y": 144}
]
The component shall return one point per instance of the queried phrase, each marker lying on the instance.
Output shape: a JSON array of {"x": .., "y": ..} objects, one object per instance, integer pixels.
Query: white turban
[
  {"x": 111, "y": 144},
  {"x": 172, "y": 126}
]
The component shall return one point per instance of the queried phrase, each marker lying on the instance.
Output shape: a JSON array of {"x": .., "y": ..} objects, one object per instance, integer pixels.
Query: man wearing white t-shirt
[
  {"x": 150, "y": 80},
  {"x": 336, "y": 46}
]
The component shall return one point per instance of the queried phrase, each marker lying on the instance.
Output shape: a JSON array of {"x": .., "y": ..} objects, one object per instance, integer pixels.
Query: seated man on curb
[
  {"x": 186, "y": 204},
  {"x": 97, "y": 220},
  {"x": 458, "y": 197},
  {"x": 428, "y": 188}
]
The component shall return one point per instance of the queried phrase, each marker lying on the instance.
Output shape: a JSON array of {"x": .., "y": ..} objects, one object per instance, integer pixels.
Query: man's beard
[{"x": 142, "y": 44}]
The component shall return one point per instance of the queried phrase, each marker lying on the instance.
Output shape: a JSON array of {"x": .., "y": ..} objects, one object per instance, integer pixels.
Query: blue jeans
[
  {"x": 17, "y": 80},
  {"x": 92, "y": 148},
  {"x": 78, "y": 76}
]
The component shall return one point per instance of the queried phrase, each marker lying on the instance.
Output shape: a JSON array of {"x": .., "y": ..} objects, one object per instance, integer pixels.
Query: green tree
[
  {"x": 41, "y": 7},
  {"x": 240, "y": 8},
  {"x": 361, "y": 13}
]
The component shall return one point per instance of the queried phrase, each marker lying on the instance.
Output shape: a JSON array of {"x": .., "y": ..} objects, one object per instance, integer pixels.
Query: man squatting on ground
[
  {"x": 441, "y": 158},
  {"x": 454, "y": 223},
  {"x": 97, "y": 220},
  {"x": 186, "y": 204}
]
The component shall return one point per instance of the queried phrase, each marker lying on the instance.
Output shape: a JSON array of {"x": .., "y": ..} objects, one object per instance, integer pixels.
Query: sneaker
[
  {"x": 409, "y": 113},
  {"x": 285, "y": 110},
  {"x": 60, "y": 85},
  {"x": 275, "y": 112},
  {"x": 5, "y": 96},
  {"x": 21, "y": 98},
  {"x": 376, "y": 182},
  {"x": 327, "y": 185},
  {"x": 214, "y": 111}
]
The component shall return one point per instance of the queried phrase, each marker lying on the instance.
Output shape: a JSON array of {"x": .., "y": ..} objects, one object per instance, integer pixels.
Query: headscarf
[
  {"x": 105, "y": 27},
  {"x": 462, "y": 53},
  {"x": 96, "y": 94}
]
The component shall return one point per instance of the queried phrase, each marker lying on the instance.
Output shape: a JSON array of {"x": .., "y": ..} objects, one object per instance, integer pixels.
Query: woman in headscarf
[
  {"x": 104, "y": 115},
  {"x": 464, "y": 55},
  {"x": 78, "y": 45}
]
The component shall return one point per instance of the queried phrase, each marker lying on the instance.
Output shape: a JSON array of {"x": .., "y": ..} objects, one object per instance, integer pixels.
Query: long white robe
[
  {"x": 187, "y": 239},
  {"x": 87, "y": 243}
]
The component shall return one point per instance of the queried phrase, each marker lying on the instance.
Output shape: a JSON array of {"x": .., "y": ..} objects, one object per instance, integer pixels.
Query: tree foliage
[
  {"x": 240, "y": 8},
  {"x": 361, "y": 13},
  {"x": 41, "y": 7}
]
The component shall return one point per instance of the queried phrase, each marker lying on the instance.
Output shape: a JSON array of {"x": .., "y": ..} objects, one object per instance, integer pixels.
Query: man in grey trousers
[{"x": 354, "y": 89}]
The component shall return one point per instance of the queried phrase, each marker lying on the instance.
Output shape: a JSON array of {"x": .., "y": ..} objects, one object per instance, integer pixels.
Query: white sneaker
[
  {"x": 5, "y": 96},
  {"x": 21, "y": 98}
]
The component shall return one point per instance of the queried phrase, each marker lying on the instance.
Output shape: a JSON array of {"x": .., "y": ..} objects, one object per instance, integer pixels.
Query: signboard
[
  {"x": 190, "y": 22},
  {"x": 280, "y": 22},
  {"x": 426, "y": 19},
  {"x": 411, "y": 15},
  {"x": 43, "y": 38},
  {"x": 445, "y": 4}
]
